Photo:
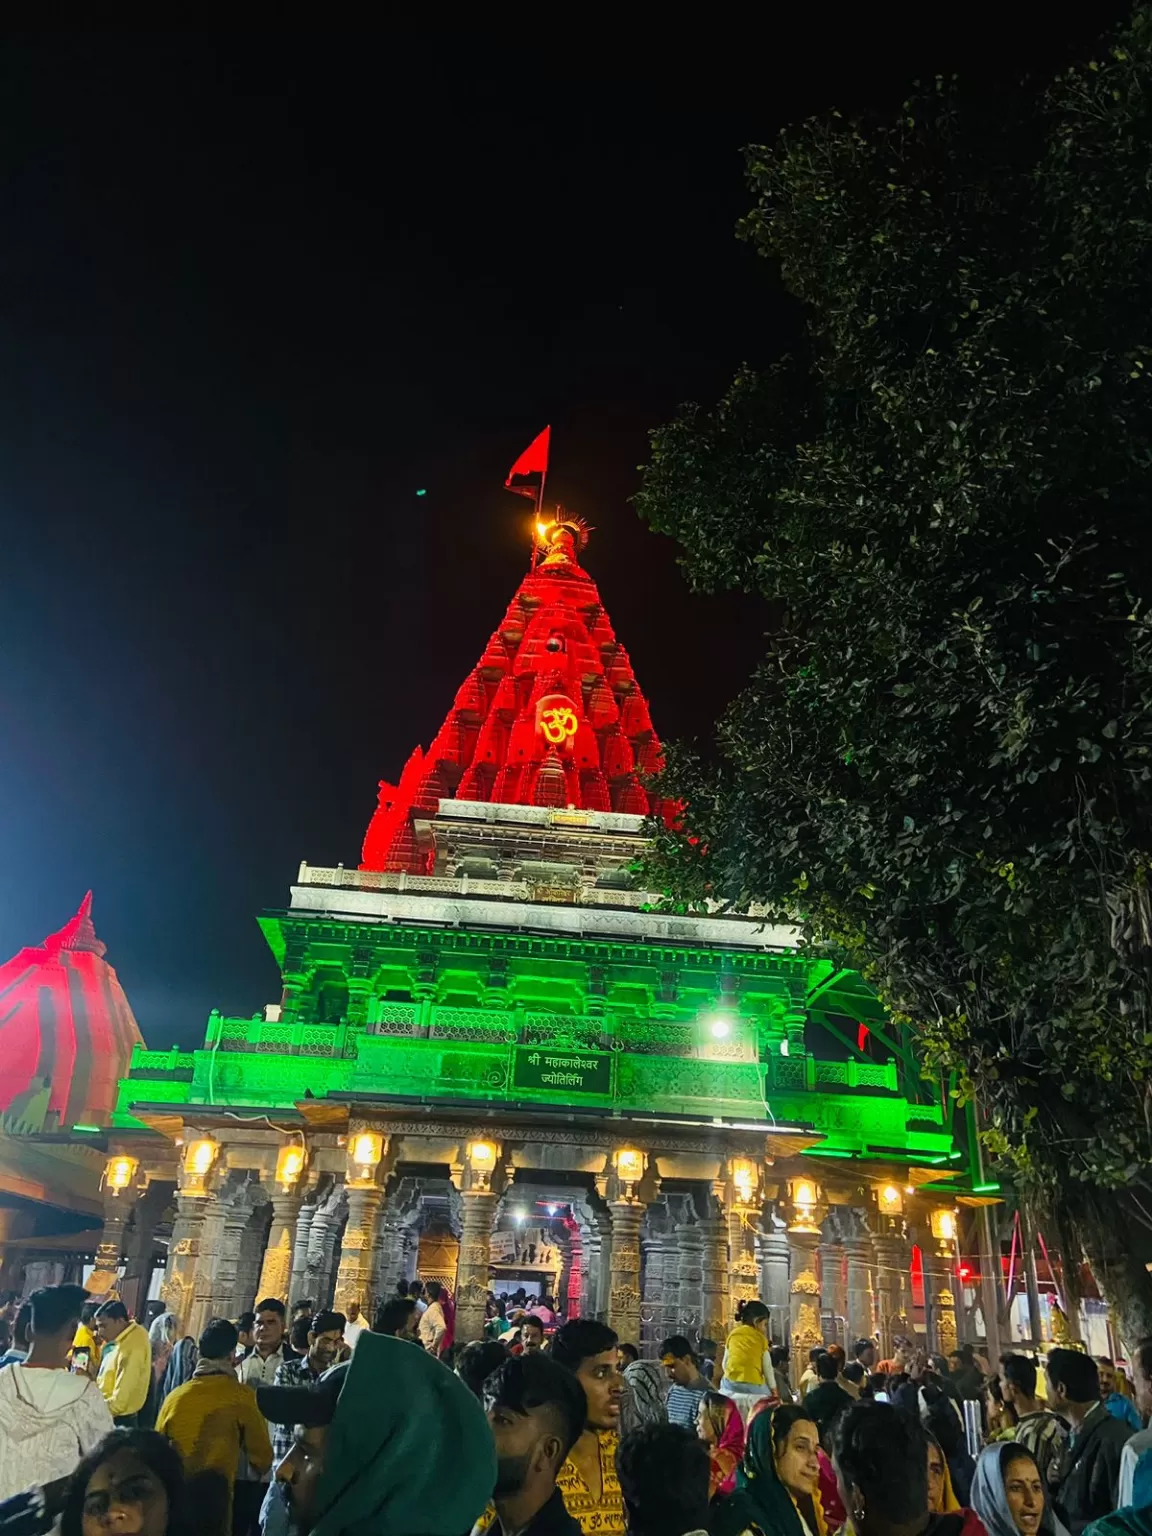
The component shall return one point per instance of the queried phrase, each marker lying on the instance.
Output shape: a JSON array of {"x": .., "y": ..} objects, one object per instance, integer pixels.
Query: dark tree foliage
[{"x": 943, "y": 764}]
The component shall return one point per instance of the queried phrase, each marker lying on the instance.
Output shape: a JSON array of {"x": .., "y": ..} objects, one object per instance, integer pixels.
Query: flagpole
[{"x": 539, "y": 518}]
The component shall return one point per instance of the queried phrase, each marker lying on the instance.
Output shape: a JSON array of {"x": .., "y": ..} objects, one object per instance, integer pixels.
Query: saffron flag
[{"x": 533, "y": 461}]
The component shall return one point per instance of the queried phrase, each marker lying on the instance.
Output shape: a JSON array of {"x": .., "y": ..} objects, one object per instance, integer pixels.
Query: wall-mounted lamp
[
  {"x": 890, "y": 1200},
  {"x": 120, "y": 1172},
  {"x": 367, "y": 1150},
  {"x": 199, "y": 1156},
  {"x": 805, "y": 1199},
  {"x": 943, "y": 1226},
  {"x": 744, "y": 1178},
  {"x": 289, "y": 1165},
  {"x": 629, "y": 1166}
]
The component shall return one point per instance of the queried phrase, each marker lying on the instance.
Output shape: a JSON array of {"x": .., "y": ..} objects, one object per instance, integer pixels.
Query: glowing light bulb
[{"x": 720, "y": 1029}]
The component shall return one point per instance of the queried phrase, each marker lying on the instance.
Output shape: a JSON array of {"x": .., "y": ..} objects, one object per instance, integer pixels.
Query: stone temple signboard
[{"x": 551, "y": 1071}]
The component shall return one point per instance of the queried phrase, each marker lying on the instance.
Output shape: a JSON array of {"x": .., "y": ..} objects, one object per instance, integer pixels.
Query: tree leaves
[{"x": 941, "y": 767}]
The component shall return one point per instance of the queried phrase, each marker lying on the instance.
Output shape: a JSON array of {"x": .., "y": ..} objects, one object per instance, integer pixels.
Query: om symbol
[{"x": 558, "y": 723}]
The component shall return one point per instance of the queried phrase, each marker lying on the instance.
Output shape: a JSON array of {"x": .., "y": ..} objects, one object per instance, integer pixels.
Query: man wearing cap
[{"x": 389, "y": 1442}]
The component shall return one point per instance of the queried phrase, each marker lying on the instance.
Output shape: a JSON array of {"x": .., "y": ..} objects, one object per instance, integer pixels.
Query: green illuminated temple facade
[{"x": 496, "y": 1062}]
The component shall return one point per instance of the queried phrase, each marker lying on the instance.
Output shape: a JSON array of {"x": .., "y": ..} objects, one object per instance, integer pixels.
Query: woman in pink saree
[{"x": 720, "y": 1426}]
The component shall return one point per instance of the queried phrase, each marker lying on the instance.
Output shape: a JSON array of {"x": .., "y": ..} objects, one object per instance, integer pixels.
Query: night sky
[{"x": 258, "y": 291}]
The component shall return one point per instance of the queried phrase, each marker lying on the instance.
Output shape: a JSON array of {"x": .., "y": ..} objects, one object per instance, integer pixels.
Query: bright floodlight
[{"x": 720, "y": 1028}]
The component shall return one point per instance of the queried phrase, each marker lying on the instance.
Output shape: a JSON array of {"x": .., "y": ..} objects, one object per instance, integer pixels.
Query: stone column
[
  {"x": 804, "y": 1290},
  {"x": 774, "y": 1281},
  {"x": 592, "y": 1287},
  {"x": 298, "y": 1281},
  {"x": 832, "y": 1288},
  {"x": 472, "y": 1278},
  {"x": 326, "y": 1223},
  {"x": 691, "y": 1280},
  {"x": 939, "y": 1301},
  {"x": 105, "y": 1277},
  {"x": 204, "y": 1283},
  {"x": 228, "y": 1259},
  {"x": 354, "y": 1278},
  {"x": 276, "y": 1267},
  {"x": 624, "y": 1290},
  {"x": 860, "y": 1299},
  {"x": 574, "y": 1280},
  {"x": 714, "y": 1278},
  {"x": 184, "y": 1255},
  {"x": 252, "y": 1246},
  {"x": 652, "y": 1309},
  {"x": 743, "y": 1271},
  {"x": 892, "y": 1283},
  {"x": 137, "y": 1274}
]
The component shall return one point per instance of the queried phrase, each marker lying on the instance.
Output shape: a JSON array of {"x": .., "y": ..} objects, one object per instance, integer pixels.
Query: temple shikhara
[{"x": 496, "y": 1061}]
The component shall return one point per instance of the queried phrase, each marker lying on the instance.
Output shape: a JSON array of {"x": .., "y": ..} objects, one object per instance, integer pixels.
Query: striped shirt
[
  {"x": 683, "y": 1403},
  {"x": 1044, "y": 1437}
]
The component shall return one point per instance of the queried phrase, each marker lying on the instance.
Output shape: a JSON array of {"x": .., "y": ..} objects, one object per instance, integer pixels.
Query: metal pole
[
  {"x": 1028, "y": 1231},
  {"x": 989, "y": 1251}
]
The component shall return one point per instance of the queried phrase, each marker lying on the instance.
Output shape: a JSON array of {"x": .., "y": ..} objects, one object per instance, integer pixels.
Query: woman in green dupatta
[{"x": 777, "y": 1479}]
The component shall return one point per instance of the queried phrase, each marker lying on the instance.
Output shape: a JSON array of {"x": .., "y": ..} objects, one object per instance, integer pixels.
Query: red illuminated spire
[
  {"x": 551, "y": 715},
  {"x": 64, "y": 1022}
]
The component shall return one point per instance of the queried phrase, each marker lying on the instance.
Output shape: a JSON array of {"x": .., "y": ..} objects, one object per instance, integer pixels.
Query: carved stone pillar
[
  {"x": 105, "y": 1277},
  {"x": 228, "y": 1259},
  {"x": 652, "y": 1307},
  {"x": 691, "y": 1280},
  {"x": 354, "y": 1278},
  {"x": 832, "y": 1288},
  {"x": 940, "y": 1300},
  {"x": 299, "y": 1272},
  {"x": 184, "y": 1255},
  {"x": 472, "y": 1277},
  {"x": 574, "y": 1279},
  {"x": 714, "y": 1278},
  {"x": 773, "y": 1246},
  {"x": 391, "y": 1255},
  {"x": 276, "y": 1267},
  {"x": 592, "y": 1272},
  {"x": 860, "y": 1298},
  {"x": 137, "y": 1276},
  {"x": 624, "y": 1291},
  {"x": 743, "y": 1270},
  {"x": 892, "y": 1287},
  {"x": 804, "y": 1291},
  {"x": 252, "y": 1246},
  {"x": 206, "y": 1278}
]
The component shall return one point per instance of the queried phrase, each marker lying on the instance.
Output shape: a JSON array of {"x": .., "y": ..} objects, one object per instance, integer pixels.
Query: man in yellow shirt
[
  {"x": 211, "y": 1419},
  {"x": 126, "y": 1369},
  {"x": 587, "y": 1480}
]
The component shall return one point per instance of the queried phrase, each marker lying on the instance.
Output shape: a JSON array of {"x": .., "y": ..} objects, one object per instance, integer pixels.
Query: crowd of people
[{"x": 274, "y": 1424}]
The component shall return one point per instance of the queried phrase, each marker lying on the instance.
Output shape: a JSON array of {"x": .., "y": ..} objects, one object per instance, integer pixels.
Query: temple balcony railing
[
  {"x": 340, "y": 878},
  {"x": 506, "y": 1028},
  {"x": 852, "y": 1104}
]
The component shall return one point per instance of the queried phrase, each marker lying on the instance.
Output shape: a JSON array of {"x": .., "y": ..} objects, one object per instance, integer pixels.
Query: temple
[
  {"x": 67, "y": 1034},
  {"x": 498, "y": 1062}
]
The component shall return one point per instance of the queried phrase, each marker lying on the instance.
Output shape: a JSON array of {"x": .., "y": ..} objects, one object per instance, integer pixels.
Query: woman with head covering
[
  {"x": 776, "y": 1482},
  {"x": 719, "y": 1425},
  {"x": 1008, "y": 1494},
  {"x": 949, "y": 1517}
]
